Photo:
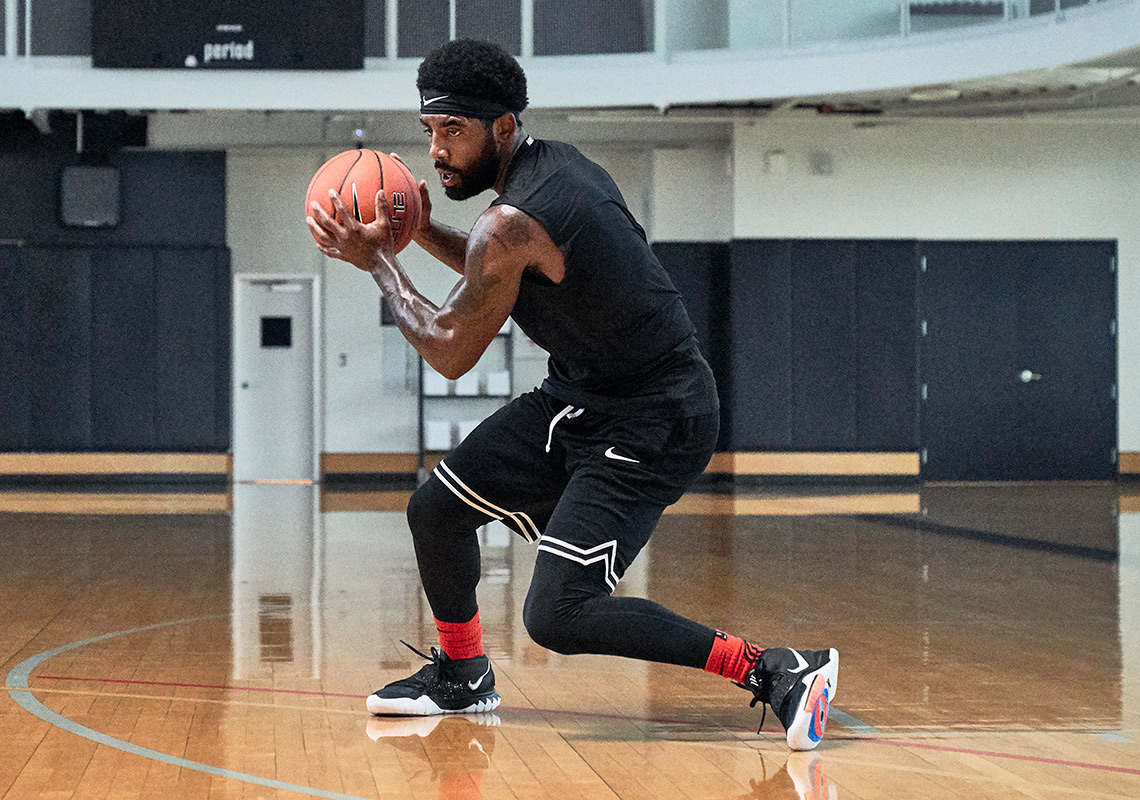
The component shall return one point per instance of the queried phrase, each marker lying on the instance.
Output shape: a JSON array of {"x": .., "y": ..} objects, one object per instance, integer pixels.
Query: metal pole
[
  {"x": 526, "y": 32},
  {"x": 787, "y": 36},
  {"x": 661, "y": 30},
  {"x": 27, "y": 27},
  {"x": 11, "y": 34},
  {"x": 391, "y": 30}
]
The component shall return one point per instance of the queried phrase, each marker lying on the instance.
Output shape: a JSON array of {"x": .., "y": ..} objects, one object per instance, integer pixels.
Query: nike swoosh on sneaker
[
  {"x": 801, "y": 663},
  {"x": 617, "y": 457},
  {"x": 473, "y": 685}
]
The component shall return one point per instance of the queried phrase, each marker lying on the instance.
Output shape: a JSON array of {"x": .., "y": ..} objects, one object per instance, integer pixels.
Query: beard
[{"x": 476, "y": 178}]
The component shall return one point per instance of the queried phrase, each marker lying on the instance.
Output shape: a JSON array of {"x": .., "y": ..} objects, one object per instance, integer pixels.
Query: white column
[{"x": 11, "y": 32}]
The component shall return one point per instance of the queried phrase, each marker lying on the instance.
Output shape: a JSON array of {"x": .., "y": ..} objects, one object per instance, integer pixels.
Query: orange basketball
[{"x": 357, "y": 175}]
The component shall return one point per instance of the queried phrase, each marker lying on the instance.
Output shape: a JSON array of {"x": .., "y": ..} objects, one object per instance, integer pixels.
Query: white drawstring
[{"x": 567, "y": 413}]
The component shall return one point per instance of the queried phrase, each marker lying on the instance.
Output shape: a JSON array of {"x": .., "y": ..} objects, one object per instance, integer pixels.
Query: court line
[
  {"x": 864, "y": 733},
  {"x": 172, "y": 698},
  {"x": 199, "y": 686},
  {"x": 17, "y": 684},
  {"x": 1014, "y": 756}
]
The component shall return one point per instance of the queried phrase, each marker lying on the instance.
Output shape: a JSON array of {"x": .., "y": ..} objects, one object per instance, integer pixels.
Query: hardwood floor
[{"x": 198, "y": 644}]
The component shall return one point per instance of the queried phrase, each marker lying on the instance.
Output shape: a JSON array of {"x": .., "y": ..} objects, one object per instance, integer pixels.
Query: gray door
[
  {"x": 1018, "y": 361},
  {"x": 274, "y": 384}
]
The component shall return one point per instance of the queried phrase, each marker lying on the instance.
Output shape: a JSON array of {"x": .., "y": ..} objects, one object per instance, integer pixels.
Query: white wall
[
  {"x": 692, "y": 194},
  {"x": 956, "y": 180},
  {"x": 924, "y": 180}
]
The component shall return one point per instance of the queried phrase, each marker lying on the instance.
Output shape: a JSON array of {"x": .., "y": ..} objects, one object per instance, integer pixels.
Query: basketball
[{"x": 357, "y": 175}]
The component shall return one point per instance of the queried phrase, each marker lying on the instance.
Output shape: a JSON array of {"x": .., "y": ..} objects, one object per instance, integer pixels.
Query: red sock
[
  {"x": 732, "y": 657},
  {"x": 461, "y": 639}
]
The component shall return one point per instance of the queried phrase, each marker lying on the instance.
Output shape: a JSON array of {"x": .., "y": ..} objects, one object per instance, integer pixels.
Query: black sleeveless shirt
[{"x": 619, "y": 338}]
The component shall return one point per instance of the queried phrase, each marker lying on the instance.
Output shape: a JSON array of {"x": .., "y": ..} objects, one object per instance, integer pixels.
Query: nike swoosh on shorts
[{"x": 618, "y": 457}]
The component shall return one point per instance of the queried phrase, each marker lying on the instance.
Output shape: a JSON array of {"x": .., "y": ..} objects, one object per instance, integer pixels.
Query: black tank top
[{"x": 619, "y": 338}]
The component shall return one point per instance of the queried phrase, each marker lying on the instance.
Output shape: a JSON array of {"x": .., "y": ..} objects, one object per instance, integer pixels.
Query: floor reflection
[
  {"x": 990, "y": 638},
  {"x": 802, "y": 777},
  {"x": 454, "y": 751}
]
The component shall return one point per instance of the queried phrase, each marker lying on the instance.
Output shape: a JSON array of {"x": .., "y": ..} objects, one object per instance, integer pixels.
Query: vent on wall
[{"x": 89, "y": 196}]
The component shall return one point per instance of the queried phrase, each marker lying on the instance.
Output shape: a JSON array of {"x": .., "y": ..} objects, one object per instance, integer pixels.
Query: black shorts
[{"x": 588, "y": 487}]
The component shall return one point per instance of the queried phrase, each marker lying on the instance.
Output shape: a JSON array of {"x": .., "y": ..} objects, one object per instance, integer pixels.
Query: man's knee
[
  {"x": 558, "y": 600},
  {"x": 431, "y": 509},
  {"x": 550, "y": 623}
]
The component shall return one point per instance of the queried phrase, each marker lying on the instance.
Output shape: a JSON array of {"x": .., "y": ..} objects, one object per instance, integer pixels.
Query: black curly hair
[{"x": 477, "y": 69}]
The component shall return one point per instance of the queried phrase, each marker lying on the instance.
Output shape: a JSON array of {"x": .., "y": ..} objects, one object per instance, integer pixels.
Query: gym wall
[{"x": 115, "y": 339}]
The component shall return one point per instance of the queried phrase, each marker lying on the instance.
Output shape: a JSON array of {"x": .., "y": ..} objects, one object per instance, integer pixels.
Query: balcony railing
[{"x": 397, "y": 29}]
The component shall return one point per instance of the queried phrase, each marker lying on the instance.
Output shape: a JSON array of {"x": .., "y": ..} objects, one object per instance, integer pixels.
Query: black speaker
[
  {"x": 228, "y": 34},
  {"x": 89, "y": 196}
]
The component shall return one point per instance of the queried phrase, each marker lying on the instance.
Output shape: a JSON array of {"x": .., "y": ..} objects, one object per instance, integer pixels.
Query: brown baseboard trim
[
  {"x": 115, "y": 464},
  {"x": 815, "y": 464},
  {"x": 798, "y": 464},
  {"x": 376, "y": 463},
  {"x": 1129, "y": 463}
]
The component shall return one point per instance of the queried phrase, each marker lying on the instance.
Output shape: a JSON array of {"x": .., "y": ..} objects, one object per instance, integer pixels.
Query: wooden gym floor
[{"x": 200, "y": 645}]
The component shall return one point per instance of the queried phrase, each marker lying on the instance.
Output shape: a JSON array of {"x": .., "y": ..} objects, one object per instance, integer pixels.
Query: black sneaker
[
  {"x": 444, "y": 686},
  {"x": 798, "y": 685}
]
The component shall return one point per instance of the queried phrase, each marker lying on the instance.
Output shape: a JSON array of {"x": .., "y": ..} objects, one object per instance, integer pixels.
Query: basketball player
[{"x": 625, "y": 421}]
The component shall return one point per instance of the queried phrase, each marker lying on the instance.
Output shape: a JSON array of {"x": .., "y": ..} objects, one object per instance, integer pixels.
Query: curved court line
[{"x": 17, "y": 683}]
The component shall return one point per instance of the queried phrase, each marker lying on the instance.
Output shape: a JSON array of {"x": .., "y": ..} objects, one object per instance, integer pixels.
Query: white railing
[{"x": 677, "y": 14}]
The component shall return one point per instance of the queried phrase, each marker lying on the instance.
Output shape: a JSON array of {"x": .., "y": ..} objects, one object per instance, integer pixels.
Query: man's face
[{"x": 464, "y": 152}]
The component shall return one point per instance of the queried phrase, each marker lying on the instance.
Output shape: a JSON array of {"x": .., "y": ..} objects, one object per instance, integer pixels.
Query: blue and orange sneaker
[{"x": 798, "y": 685}]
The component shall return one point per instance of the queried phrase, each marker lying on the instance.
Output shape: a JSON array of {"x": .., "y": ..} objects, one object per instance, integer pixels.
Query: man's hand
[
  {"x": 346, "y": 238},
  {"x": 424, "y": 226}
]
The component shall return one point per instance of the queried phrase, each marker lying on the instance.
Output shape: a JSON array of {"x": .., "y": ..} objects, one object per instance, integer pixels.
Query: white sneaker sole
[
  {"x": 424, "y": 706},
  {"x": 808, "y": 725}
]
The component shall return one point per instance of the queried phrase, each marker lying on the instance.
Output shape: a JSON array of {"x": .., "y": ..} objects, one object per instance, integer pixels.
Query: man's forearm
[{"x": 447, "y": 244}]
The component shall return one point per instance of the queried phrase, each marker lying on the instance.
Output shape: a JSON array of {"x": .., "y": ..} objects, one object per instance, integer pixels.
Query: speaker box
[
  {"x": 89, "y": 196},
  {"x": 228, "y": 34}
]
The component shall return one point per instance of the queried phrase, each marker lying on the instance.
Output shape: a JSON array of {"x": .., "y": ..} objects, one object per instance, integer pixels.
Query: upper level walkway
[{"x": 675, "y": 52}]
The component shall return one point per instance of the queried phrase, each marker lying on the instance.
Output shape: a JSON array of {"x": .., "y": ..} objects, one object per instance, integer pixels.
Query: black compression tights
[{"x": 568, "y": 608}]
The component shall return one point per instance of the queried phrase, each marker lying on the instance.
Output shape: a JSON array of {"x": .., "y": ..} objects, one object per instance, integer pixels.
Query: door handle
[{"x": 1027, "y": 375}]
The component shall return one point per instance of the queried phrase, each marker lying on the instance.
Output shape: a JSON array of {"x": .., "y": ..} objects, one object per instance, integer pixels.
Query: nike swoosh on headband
[{"x": 429, "y": 102}]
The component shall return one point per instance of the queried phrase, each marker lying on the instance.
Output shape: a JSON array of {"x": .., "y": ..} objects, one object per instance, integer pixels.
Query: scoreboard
[{"x": 228, "y": 34}]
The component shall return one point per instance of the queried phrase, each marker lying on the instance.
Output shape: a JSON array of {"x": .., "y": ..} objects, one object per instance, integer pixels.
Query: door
[
  {"x": 1018, "y": 361},
  {"x": 275, "y": 386}
]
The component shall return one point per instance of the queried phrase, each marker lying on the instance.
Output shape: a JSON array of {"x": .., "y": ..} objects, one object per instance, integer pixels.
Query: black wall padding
[
  {"x": 887, "y": 334},
  {"x": 14, "y": 356},
  {"x": 59, "y": 349},
  {"x": 115, "y": 350},
  {"x": 123, "y": 350},
  {"x": 760, "y": 308},
  {"x": 186, "y": 334},
  {"x": 823, "y": 346},
  {"x": 700, "y": 272}
]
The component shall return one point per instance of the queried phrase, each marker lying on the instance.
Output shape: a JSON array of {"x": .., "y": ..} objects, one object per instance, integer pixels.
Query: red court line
[
  {"x": 1014, "y": 756},
  {"x": 872, "y": 740}
]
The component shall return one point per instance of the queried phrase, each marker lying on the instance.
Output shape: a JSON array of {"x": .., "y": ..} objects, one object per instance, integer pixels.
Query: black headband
[{"x": 436, "y": 101}]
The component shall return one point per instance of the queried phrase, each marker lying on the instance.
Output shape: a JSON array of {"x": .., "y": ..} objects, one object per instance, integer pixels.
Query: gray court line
[
  {"x": 853, "y": 723},
  {"x": 17, "y": 683}
]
